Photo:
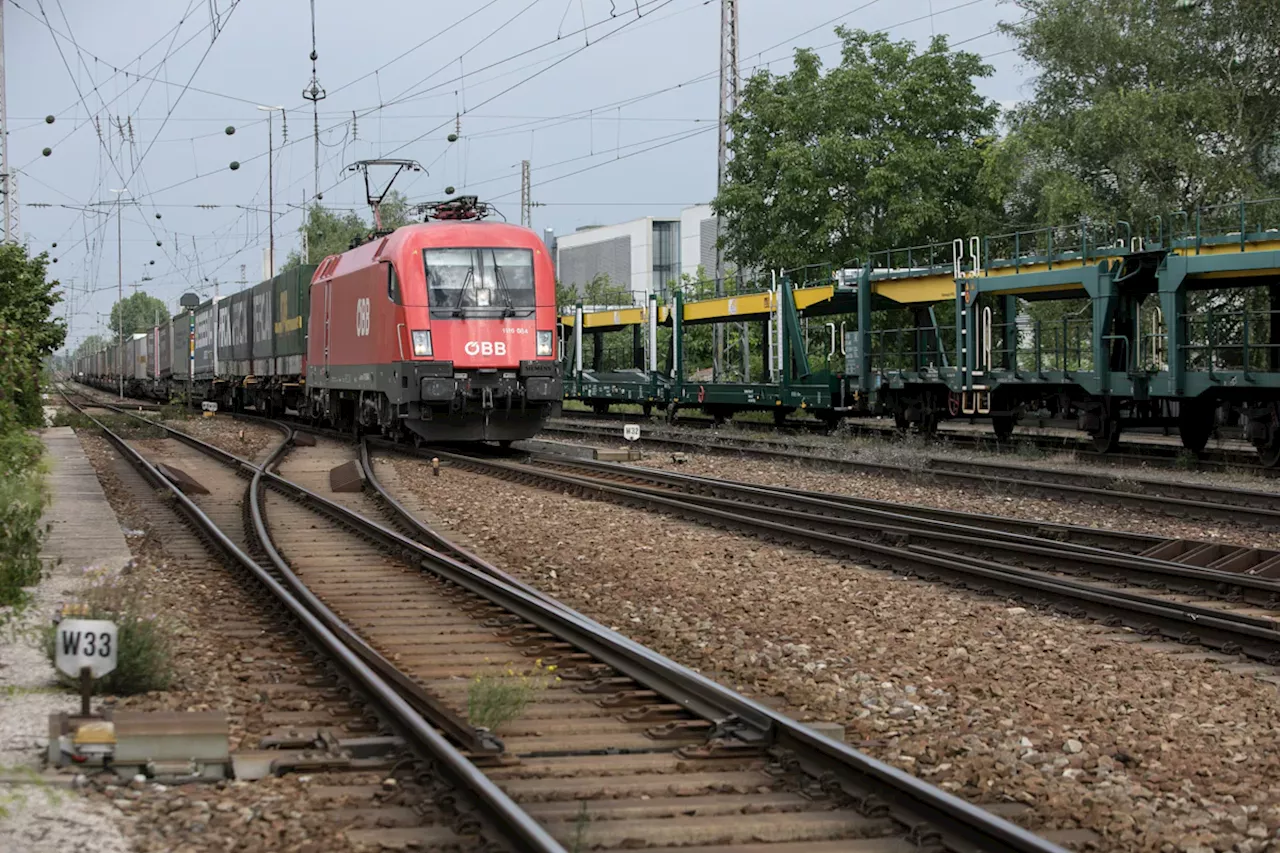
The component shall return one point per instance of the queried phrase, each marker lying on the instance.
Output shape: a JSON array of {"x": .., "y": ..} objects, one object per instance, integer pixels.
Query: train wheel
[
  {"x": 600, "y": 408},
  {"x": 1195, "y": 423},
  {"x": 1107, "y": 439},
  {"x": 647, "y": 409},
  {"x": 1003, "y": 426},
  {"x": 779, "y": 417},
  {"x": 1269, "y": 456}
]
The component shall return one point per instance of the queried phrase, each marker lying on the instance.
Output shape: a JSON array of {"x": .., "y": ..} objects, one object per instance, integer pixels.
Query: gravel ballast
[{"x": 997, "y": 703}]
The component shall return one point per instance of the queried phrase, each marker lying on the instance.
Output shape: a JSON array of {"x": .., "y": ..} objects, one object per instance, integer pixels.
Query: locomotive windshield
[{"x": 479, "y": 282}]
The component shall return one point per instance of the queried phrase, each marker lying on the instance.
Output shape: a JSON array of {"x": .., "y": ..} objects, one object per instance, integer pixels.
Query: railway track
[
  {"x": 660, "y": 756},
  {"x": 1253, "y": 506},
  {"x": 1139, "y": 454},
  {"x": 1133, "y": 581}
]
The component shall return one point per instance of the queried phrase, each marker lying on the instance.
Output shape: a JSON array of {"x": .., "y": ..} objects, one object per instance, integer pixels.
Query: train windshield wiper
[
  {"x": 501, "y": 279},
  {"x": 471, "y": 274}
]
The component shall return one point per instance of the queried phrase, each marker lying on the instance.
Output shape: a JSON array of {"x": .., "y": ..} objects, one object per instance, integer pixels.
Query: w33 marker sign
[{"x": 86, "y": 642}]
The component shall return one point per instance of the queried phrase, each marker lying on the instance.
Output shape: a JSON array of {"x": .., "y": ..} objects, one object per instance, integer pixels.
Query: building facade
[{"x": 643, "y": 256}]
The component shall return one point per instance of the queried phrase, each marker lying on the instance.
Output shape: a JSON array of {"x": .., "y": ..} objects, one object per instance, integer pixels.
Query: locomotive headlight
[
  {"x": 422, "y": 344},
  {"x": 544, "y": 343}
]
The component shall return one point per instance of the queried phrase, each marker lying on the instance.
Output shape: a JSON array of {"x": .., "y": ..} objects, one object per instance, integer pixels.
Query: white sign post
[
  {"x": 631, "y": 432},
  {"x": 87, "y": 648},
  {"x": 210, "y": 407}
]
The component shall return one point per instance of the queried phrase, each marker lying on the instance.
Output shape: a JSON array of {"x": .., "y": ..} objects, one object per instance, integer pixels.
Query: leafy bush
[
  {"x": 144, "y": 642},
  {"x": 22, "y": 498}
]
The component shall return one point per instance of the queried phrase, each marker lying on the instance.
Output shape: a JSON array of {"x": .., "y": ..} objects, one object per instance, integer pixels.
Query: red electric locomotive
[{"x": 444, "y": 331}]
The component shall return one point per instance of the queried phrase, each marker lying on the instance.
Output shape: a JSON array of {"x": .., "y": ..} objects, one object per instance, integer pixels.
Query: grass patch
[
  {"x": 496, "y": 699},
  {"x": 177, "y": 411},
  {"x": 144, "y": 641},
  {"x": 1186, "y": 460},
  {"x": 72, "y": 418},
  {"x": 131, "y": 428},
  {"x": 15, "y": 796}
]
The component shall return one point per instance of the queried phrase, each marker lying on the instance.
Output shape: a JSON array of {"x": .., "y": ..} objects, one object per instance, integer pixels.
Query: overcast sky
[{"x": 618, "y": 122}]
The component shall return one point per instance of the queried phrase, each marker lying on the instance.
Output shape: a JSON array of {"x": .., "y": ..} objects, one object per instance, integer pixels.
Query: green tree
[
  {"x": 1141, "y": 107},
  {"x": 598, "y": 292},
  {"x": 396, "y": 210},
  {"x": 29, "y": 333},
  {"x": 328, "y": 232},
  {"x": 91, "y": 345},
  {"x": 883, "y": 150},
  {"x": 140, "y": 312}
]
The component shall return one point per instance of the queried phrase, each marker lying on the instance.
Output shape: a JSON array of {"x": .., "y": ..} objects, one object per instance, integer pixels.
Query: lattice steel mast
[
  {"x": 728, "y": 103},
  {"x": 6, "y": 175},
  {"x": 526, "y": 202}
]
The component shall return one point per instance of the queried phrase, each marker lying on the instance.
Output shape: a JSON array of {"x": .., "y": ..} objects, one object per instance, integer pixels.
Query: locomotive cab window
[
  {"x": 479, "y": 282},
  {"x": 393, "y": 284}
]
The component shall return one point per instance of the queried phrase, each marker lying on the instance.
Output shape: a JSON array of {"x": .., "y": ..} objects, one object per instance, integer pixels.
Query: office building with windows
[{"x": 643, "y": 256}]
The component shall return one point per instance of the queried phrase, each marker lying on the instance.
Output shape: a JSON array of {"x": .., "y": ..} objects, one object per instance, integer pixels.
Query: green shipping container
[{"x": 290, "y": 307}]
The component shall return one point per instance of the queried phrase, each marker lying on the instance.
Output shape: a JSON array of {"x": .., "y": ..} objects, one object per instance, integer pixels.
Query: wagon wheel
[
  {"x": 1003, "y": 426},
  {"x": 1269, "y": 456},
  {"x": 1195, "y": 424},
  {"x": 1107, "y": 439}
]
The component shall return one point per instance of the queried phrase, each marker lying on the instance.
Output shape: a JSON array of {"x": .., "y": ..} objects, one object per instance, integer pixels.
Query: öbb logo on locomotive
[
  {"x": 362, "y": 317},
  {"x": 485, "y": 348}
]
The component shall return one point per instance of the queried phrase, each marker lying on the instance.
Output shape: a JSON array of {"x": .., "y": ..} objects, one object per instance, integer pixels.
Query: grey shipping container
[
  {"x": 164, "y": 348},
  {"x": 263, "y": 344},
  {"x": 241, "y": 334},
  {"x": 233, "y": 335},
  {"x": 138, "y": 360},
  {"x": 181, "y": 343},
  {"x": 206, "y": 329}
]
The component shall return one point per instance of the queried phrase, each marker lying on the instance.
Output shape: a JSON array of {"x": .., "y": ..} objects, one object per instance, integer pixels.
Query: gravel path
[
  {"x": 38, "y": 810},
  {"x": 1153, "y": 751}
]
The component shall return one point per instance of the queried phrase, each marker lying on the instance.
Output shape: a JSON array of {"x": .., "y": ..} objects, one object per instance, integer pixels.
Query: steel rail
[
  {"x": 1142, "y": 454},
  {"x": 1256, "y": 638},
  {"x": 476, "y": 741},
  {"x": 510, "y": 824},
  {"x": 929, "y": 813}
]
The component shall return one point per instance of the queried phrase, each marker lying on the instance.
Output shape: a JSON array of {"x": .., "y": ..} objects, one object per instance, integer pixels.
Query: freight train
[
  {"x": 1086, "y": 324},
  {"x": 438, "y": 331}
]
